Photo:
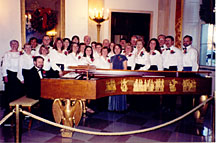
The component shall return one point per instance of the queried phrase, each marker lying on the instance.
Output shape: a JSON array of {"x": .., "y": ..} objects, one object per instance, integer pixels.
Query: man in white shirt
[
  {"x": 106, "y": 43},
  {"x": 133, "y": 43},
  {"x": 172, "y": 61},
  {"x": 46, "y": 42},
  {"x": 172, "y": 57},
  {"x": 87, "y": 40},
  {"x": 34, "y": 43},
  {"x": 189, "y": 64},
  {"x": 97, "y": 53},
  {"x": 123, "y": 43},
  {"x": 189, "y": 55},
  {"x": 162, "y": 40}
]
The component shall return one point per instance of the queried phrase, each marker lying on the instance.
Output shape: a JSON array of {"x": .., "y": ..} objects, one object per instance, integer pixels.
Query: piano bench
[{"x": 25, "y": 102}]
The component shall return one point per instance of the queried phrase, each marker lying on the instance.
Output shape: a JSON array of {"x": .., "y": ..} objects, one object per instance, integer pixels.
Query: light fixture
[{"x": 98, "y": 16}]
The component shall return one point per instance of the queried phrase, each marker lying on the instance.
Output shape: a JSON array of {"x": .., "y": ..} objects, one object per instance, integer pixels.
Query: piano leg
[
  {"x": 199, "y": 114},
  {"x": 84, "y": 107},
  {"x": 213, "y": 120},
  {"x": 68, "y": 112}
]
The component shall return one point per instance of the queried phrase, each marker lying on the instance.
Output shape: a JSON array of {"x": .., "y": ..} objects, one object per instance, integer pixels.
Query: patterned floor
[{"x": 185, "y": 130}]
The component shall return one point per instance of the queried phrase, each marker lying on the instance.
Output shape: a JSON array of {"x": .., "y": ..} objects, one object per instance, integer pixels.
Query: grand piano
[
  {"x": 83, "y": 83},
  {"x": 87, "y": 83}
]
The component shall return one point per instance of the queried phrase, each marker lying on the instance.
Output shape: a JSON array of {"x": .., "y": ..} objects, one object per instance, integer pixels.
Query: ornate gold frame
[{"x": 62, "y": 17}]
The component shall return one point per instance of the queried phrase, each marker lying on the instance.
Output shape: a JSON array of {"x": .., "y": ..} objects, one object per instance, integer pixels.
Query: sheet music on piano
[{"x": 72, "y": 75}]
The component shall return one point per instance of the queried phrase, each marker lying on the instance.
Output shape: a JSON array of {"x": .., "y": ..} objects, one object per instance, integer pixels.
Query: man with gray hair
[{"x": 87, "y": 40}]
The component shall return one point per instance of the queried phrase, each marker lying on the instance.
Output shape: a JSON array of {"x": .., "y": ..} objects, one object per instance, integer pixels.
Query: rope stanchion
[
  {"x": 116, "y": 133},
  {"x": 6, "y": 117}
]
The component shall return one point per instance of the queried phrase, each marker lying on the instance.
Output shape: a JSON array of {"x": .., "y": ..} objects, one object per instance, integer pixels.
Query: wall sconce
[
  {"x": 98, "y": 16},
  {"x": 51, "y": 33},
  {"x": 28, "y": 18}
]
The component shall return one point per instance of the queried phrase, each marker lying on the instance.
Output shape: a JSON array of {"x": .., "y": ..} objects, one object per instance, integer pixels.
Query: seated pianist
[{"x": 33, "y": 77}]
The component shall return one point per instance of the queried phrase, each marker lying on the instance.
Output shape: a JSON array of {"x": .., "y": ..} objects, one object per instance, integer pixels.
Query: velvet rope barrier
[
  {"x": 6, "y": 117},
  {"x": 116, "y": 133}
]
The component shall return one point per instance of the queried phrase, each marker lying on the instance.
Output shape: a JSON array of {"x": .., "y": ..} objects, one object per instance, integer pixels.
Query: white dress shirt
[
  {"x": 86, "y": 61},
  {"x": 190, "y": 58},
  {"x": 156, "y": 59},
  {"x": 71, "y": 60},
  {"x": 57, "y": 58},
  {"x": 96, "y": 54},
  {"x": 36, "y": 52},
  {"x": 10, "y": 62},
  {"x": 143, "y": 59},
  {"x": 25, "y": 62},
  {"x": 173, "y": 59},
  {"x": 163, "y": 48},
  {"x": 102, "y": 63},
  {"x": 39, "y": 72},
  {"x": 131, "y": 60},
  {"x": 110, "y": 55}
]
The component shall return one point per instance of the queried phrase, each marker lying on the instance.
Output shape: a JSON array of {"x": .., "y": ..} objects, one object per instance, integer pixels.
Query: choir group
[{"x": 158, "y": 54}]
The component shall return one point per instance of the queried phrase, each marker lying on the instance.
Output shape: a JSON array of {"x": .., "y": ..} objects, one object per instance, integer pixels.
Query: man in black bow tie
[
  {"x": 34, "y": 43},
  {"x": 161, "y": 40},
  {"x": 33, "y": 77},
  {"x": 189, "y": 55}
]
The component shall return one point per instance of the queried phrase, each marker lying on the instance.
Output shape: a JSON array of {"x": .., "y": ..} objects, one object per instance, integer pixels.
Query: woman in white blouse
[
  {"x": 72, "y": 57},
  {"x": 82, "y": 47},
  {"x": 111, "y": 47},
  {"x": 130, "y": 56},
  {"x": 155, "y": 55},
  {"x": 13, "y": 87},
  {"x": 44, "y": 52},
  {"x": 57, "y": 56},
  {"x": 66, "y": 43},
  {"x": 103, "y": 62},
  {"x": 142, "y": 59},
  {"x": 87, "y": 58},
  {"x": 25, "y": 62}
]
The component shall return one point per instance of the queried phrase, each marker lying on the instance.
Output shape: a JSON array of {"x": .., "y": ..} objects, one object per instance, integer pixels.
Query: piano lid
[{"x": 92, "y": 72}]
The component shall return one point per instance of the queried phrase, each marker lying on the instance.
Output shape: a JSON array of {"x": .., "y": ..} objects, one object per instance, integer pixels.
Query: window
[{"x": 207, "y": 45}]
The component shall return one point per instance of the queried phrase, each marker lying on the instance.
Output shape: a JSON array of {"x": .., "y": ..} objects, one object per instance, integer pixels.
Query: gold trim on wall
[
  {"x": 62, "y": 19},
  {"x": 132, "y": 11},
  {"x": 179, "y": 22},
  {"x": 23, "y": 30}
]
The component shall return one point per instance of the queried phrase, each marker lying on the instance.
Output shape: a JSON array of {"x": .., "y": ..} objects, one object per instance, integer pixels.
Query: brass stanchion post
[
  {"x": 17, "y": 123},
  {"x": 213, "y": 120}
]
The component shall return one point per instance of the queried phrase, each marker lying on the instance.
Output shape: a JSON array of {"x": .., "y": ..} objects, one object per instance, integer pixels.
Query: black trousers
[
  {"x": 138, "y": 66},
  {"x": 153, "y": 68},
  {"x": 14, "y": 89},
  {"x": 171, "y": 68}
]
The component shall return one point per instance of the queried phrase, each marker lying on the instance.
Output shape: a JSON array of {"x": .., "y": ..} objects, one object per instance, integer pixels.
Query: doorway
[{"x": 126, "y": 24}]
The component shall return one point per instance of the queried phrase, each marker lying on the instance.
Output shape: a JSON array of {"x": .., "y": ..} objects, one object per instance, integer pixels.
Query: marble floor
[{"x": 186, "y": 130}]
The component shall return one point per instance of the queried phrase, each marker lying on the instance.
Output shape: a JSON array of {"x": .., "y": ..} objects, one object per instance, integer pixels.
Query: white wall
[
  {"x": 132, "y": 5},
  {"x": 191, "y": 21},
  {"x": 10, "y": 26},
  {"x": 76, "y": 18}
]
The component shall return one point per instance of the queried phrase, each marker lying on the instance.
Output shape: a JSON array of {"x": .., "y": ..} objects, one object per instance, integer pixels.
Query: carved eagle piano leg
[
  {"x": 200, "y": 113},
  {"x": 68, "y": 112}
]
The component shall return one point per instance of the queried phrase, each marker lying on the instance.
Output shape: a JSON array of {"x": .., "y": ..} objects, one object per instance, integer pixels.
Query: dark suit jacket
[{"x": 32, "y": 83}]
